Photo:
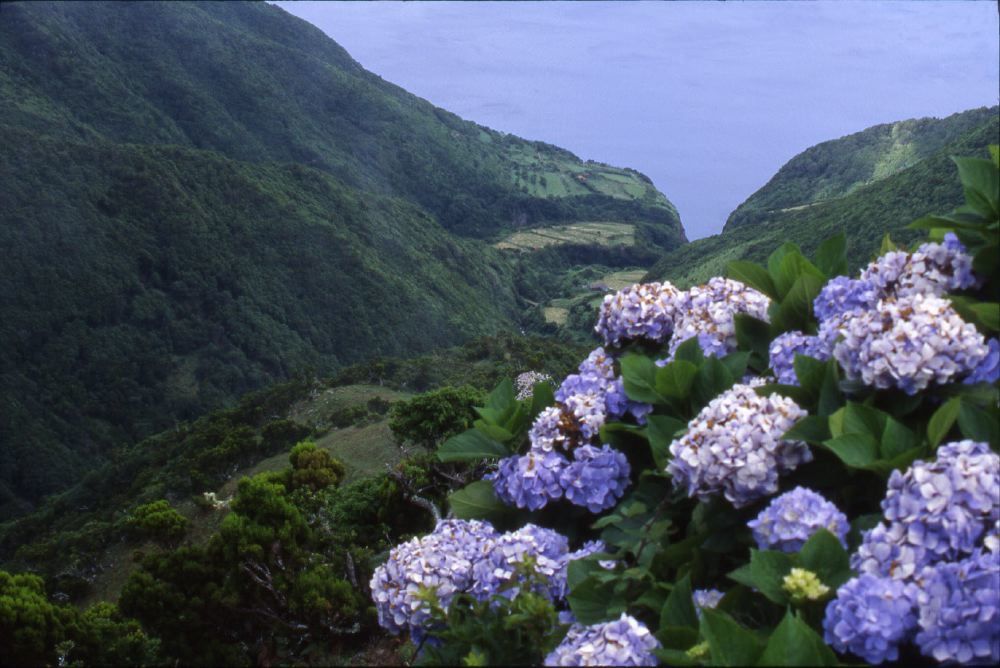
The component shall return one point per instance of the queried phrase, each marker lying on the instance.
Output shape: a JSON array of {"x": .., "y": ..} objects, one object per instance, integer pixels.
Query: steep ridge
[
  {"x": 203, "y": 198},
  {"x": 867, "y": 213}
]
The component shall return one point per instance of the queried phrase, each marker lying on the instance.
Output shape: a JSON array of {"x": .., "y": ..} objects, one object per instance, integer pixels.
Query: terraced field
[{"x": 589, "y": 233}]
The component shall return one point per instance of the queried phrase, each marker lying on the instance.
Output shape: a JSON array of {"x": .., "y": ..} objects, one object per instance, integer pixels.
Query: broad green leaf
[
  {"x": 861, "y": 419},
  {"x": 977, "y": 424},
  {"x": 782, "y": 284},
  {"x": 831, "y": 256},
  {"x": 981, "y": 184},
  {"x": 690, "y": 351},
  {"x": 855, "y": 450},
  {"x": 675, "y": 379},
  {"x": 639, "y": 379},
  {"x": 502, "y": 398},
  {"x": 753, "y": 335},
  {"x": 591, "y": 601},
  {"x": 887, "y": 245},
  {"x": 492, "y": 431},
  {"x": 470, "y": 446},
  {"x": 679, "y": 608},
  {"x": 661, "y": 432},
  {"x": 476, "y": 501},
  {"x": 897, "y": 438},
  {"x": 830, "y": 396},
  {"x": 811, "y": 428},
  {"x": 942, "y": 420},
  {"x": 768, "y": 569},
  {"x": 712, "y": 379},
  {"x": 795, "y": 310},
  {"x": 677, "y": 639},
  {"x": 826, "y": 557},
  {"x": 542, "y": 396},
  {"x": 579, "y": 570},
  {"x": 987, "y": 259},
  {"x": 794, "y": 643},
  {"x": 987, "y": 314},
  {"x": 729, "y": 643},
  {"x": 753, "y": 275},
  {"x": 810, "y": 373},
  {"x": 737, "y": 363}
]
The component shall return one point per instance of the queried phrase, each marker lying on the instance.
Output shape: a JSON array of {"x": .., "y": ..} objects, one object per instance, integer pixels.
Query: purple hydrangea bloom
[
  {"x": 706, "y": 598},
  {"x": 870, "y": 617},
  {"x": 594, "y": 375},
  {"x": 707, "y": 312},
  {"x": 843, "y": 295},
  {"x": 439, "y": 564},
  {"x": 496, "y": 572},
  {"x": 529, "y": 481},
  {"x": 792, "y": 518},
  {"x": 549, "y": 432},
  {"x": 888, "y": 550},
  {"x": 734, "y": 446},
  {"x": 933, "y": 269},
  {"x": 588, "y": 412},
  {"x": 988, "y": 370},
  {"x": 643, "y": 311},
  {"x": 618, "y": 404},
  {"x": 625, "y": 642},
  {"x": 597, "y": 478},
  {"x": 786, "y": 346},
  {"x": 959, "y": 606},
  {"x": 909, "y": 343}
]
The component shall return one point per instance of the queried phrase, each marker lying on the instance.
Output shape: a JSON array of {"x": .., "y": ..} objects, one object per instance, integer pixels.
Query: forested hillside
[
  {"x": 202, "y": 198},
  {"x": 865, "y": 213}
]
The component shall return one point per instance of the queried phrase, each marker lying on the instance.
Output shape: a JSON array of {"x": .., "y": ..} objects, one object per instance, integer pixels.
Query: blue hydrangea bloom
[
  {"x": 640, "y": 312},
  {"x": 618, "y": 405},
  {"x": 792, "y": 518},
  {"x": 495, "y": 572},
  {"x": 529, "y": 481},
  {"x": 708, "y": 311},
  {"x": 625, "y": 642},
  {"x": 786, "y": 346},
  {"x": 597, "y": 478},
  {"x": 960, "y": 610},
  {"x": 870, "y": 617},
  {"x": 593, "y": 376},
  {"x": 706, "y": 598},
  {"x": 988, "y": 371},
  {"x": 932, "y": 269},
  {"x": 842, "y": 295}
]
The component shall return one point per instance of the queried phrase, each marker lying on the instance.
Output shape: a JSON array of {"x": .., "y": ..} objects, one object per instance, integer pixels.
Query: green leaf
[
  {"x": 542, "y": 396},
  {"x": 754, "y": 335},
  {"x": 831, "y": 398},
  {"x": 502, "y": 398},
  {"x": 855, "y": 450},
  {"x": 690, "y": 351},
  {"x": 897, "y": 438},
  {"x": 730, "y": 644},
  {"x": 810, "y": 372},
  {"x": 887, "y": 245},
  {"x": 737, "y": 363},
  {"x": 831, "y": 256},
  {"x": 987, "y": 314},
  {"x": 794, "y": 643},
  {"x": 675, "y": 379},
  {"x": 471, "y": 446},
  {"x": 677, "y": 639},
  {"x": 679, "y": 608},
  {"x": 768, "y": 569},
  {"x": 861, "y": 419},
  {"x": 661, "y": 431},
  {"x": 811, "y": 428},
  {"x": 942, "y": 420},
  {"x": 981, "y": 184},
  {"x": 753, "y": 275},
  {"x": 977, "y": 424},
  {"x": 639, "y": 379},
  {"x": 491, "y": 430},
  {"x": 796, "y": 309},
  {"x": 826, "y": 557},
  {"x": 713, "y": 378},
  {"x": 986, "y": 260},
  {"x": 476, "y": 501},
  {"x": 774, "y": 261},
  {"x": 590, "y": 601}
]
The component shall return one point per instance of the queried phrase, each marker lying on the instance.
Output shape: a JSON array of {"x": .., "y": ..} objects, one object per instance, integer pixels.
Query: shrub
[
  {"x": 158, "y": 521},
  {"x": 434, "y": 416}
]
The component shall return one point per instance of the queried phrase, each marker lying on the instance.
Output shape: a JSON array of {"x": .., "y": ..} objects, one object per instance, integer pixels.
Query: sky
[{"x": 709, "y": 99}]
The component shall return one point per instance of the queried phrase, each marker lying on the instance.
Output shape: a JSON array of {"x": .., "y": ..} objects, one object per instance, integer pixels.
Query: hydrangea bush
[{"x": 787, "y": 465}]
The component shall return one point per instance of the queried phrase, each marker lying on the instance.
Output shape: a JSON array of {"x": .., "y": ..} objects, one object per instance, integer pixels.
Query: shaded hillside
[
  {"x": 838, "y": 167},
  {"x": 866, "y": 214},
  {"x": 202, "y": 198},
  {"x": 254, "y": 83}
]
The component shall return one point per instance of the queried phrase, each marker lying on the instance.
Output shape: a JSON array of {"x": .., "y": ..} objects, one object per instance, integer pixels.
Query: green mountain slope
[
  {"x": 202, "y": 198},
  {"x": 838, "y": 167},
  {"x": 866, "y": 214}
]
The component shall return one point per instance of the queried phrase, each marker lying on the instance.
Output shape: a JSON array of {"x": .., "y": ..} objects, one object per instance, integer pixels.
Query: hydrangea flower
[
  {"x": 588, "y": 412},
  {"x": 542, "y": 551},
  {"x": 597, "y": 478},
  {"x": 525, "y": 383},
  {"x": 870, "y": 617},
  {"x": 988, "y": 370},
  {"x": 804, "y": 585},
  {"x": 643, "y": 311},
  {"x": 792, "y": 518},
  {"x": 786, "y": 346},
  {"x": 959, "y": 606},
  {"x": 939, "y": 510},
  {"x": 707, "y": 312},
  {"x": 706, "y": 598},
  {"x": 909, "y": 343},
  {"x": 843, "y": 295},
  {"x": 593, "y": 376},
  {"x": 734, "y": 446},
  {"x": 529, "y": 481},
  {"x": 617, "y": 403},
  {"x": 437, "y": 565},
  {"x": 625, "y": 642},
  {"x": 933, "y": 269},
  {"x": 554, "y": 430}
]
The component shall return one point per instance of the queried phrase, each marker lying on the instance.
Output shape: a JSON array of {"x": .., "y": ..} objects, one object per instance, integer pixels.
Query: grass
[{"x": 585, "y": 233}]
